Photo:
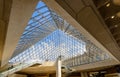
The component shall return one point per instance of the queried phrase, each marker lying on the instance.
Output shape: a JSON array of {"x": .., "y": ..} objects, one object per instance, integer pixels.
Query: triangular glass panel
[{"x": 48, "y": 36}]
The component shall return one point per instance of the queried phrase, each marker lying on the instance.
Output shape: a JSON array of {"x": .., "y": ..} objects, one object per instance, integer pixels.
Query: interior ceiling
[
  {"x": 110, "y": 12},
  {"x": 20, "y": 12}
]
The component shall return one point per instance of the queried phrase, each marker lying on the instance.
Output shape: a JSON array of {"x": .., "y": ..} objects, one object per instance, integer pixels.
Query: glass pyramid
[
  {"x": 48, "y": 36},
  {"x": 49, "y": 48}
]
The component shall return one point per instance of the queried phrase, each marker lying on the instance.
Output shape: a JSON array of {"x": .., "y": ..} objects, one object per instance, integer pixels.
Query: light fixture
[
  {"x": 116, "y": 26},
  {"x": 112, "y": 17},
  {"x": 108, "y": 4}
]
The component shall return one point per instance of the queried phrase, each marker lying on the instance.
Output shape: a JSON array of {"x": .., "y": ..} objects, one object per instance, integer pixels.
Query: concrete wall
[
  {"x": 17, "y": 75},
  {"x": 40, "y": 76},
  {"x": 86, "y": 19},
  {"x": 5, "y": 7}
]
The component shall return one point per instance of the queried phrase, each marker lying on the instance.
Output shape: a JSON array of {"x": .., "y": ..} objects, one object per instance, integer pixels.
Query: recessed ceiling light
[
  {"x": 112, "y": 17},
  {"x": 116, "y": 26},
  {"x": 108, "y": 4}
]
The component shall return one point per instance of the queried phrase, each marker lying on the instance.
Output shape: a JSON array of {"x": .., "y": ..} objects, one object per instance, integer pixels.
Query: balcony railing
[{"x": 86, "y": 58}]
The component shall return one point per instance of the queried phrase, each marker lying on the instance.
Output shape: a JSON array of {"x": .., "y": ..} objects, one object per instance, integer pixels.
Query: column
[
  {"x": 84, "y": 74},
  {"x": 58, "y": 67}
]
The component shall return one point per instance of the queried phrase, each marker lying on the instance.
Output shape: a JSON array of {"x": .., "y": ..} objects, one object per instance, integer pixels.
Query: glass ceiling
[
  {"x": 49, "y": 48},
  {"x": 48, "y": 36}
]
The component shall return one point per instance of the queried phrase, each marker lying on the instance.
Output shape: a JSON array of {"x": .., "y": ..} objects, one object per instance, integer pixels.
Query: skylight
[
  {"x": 48, "y": 36},
  {"x": 55, "y": 44}
]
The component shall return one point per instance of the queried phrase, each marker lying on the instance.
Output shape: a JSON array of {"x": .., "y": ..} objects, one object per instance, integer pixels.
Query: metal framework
[{"x": 48, "y": 36}]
